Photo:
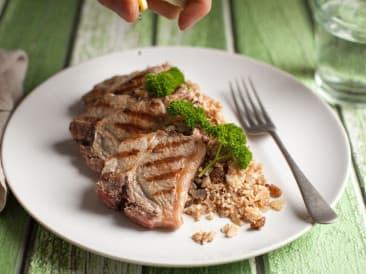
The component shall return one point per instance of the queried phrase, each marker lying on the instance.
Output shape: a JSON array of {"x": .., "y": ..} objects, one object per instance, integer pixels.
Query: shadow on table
[
  {"x": 70, "y": 149},
  {"x": 89, "y": 201}
]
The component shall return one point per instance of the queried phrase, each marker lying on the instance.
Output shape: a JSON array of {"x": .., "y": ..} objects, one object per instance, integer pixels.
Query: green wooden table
[{"x": 57, "y": 34}]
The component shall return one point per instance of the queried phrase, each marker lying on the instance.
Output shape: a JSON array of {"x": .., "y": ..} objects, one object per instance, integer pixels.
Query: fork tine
[
  {"x": 264, "y": 112},
  {"x": 242, "y": 120},
  {"x": 246, "y": 107},
  {"x": 257, "y": 114}
]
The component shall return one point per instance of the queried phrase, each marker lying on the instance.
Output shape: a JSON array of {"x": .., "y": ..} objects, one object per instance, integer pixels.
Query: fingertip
[
  {"x": 163, "y": 8},
  {"x": 183, "y": 25},
  {"x": 130, "y": 18},
  {"x": 129, "y": 10},
  {"x": 194, "y": 11}
]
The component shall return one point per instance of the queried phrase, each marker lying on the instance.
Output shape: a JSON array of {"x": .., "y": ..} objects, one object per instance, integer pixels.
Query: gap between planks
[
  {"x": 3, "y": 5},
  {"x": 72, "y": 38},
  {"x": 28, "y": 242},
  {"x": 354, "y": 168},
  {"x": 228, "y": 23},
  {"x": 358, "y": 194},
  {"x": 154, "y": 33}
]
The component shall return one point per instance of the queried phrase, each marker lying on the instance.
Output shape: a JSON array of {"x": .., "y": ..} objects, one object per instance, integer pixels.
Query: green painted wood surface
[
  {"x": 233, "y": 268},
  {"x": 336, "y": 248},
  {"x": 51, "y": 254},
  {"x": 21, "y": 29},
  {"x": 45, "y": 259},
  {"x": 14, "y": 223},
  {"x": 280, "y": 33},
  {"x": 42, "y": 28},
  {"x": 355, "y": 123},
  {"x": 276, "y": 32},
  {"x": 100, "y": 32},
  {"x": 207, "y": 33},
  {"x": 2, "y": 3}
]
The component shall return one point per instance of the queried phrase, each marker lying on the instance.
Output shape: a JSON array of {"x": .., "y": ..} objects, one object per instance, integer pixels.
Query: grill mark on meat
[
  {"x": 131, "y": 128},
  {"x": 163, "y": 192},
  {"x": 163, "y": 161},
  {"x": 122, "y": 84},
  {"x": 164, "y": 176},
  {"x": 130, "y": 85},
  {"x": 174, "y": 144},
  {"x": 141, "y": 115},
  {"x": 124, "y": 154}
]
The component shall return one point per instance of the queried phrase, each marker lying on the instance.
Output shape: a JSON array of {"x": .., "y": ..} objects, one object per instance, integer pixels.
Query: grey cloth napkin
[{"x": 13, "y": 65}]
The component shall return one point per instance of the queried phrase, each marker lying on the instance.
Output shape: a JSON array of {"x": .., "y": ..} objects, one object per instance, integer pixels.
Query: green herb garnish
[
  {"x": 231, "y": 138},
  {"x": 192, "y": 117},
  {"x": 231, "y": 143},
  {"x": 164, "y": 83}
]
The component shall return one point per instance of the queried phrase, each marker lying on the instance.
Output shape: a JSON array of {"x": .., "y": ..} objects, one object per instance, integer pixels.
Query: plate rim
[{"x": 209, "y": 262}]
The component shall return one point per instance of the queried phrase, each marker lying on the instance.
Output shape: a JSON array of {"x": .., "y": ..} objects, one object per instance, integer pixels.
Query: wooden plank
[
  {"x": 53, "y": 255},
  {"x": 276, "y": 32},
  {"x": 237, "y": 268},
  {"x": 43, "y": 33},
  {"x": 355, "y": 122},
  {"x": 2, "y": 4},
  {"x": 210, "y": 32},
  {"x": 286, "y": 41},
  {"x": 99, "y": 32},
  {"x": 45, "y": 260},
  {"x": 336, "y": 248},
  {"x": 44, "y": 61},
  {"x": 13, "y": 230}
]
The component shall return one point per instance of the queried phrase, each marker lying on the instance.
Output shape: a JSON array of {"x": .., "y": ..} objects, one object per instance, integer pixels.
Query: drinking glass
[{"x": 340, "y": 39}]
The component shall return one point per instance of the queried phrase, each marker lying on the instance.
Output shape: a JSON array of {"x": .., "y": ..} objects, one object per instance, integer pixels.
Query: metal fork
[{"x": 255, "y": 120}]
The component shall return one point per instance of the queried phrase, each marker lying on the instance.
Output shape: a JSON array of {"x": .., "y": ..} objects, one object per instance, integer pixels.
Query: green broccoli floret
[
  {"x": 164, "y": 83},
  {"x": 231, "y": 138},
  {"x": 192, "y": 117},
  {"x": 231, "y": 143}
]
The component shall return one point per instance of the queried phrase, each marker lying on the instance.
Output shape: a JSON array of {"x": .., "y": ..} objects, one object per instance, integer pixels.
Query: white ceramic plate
[{"x": 49, "y": 178}]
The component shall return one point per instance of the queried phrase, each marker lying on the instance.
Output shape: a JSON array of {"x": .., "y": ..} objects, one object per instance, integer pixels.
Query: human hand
[{"x": 193, "y": 11}]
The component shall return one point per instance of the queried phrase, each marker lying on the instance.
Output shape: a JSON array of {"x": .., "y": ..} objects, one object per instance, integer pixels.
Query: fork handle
[{"x": 319, "y": 210}]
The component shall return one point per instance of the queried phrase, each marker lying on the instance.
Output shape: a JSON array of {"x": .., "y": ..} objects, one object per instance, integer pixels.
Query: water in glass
[{"x": 341, "y": 50}]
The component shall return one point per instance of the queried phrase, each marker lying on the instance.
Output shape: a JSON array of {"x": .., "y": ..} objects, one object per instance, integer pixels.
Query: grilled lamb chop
[
  {"x": 99, "y": 138},
  {"x": 150, "y": 175},
  {"x": 107, "y": 97},
  {"x": 113, "y": 118},
  {"x": 146, "y": 162},
  {"x": 117, "y": 109},
  {"x": 82, "y": 127},
  {"x": 130, "y": 84}
]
